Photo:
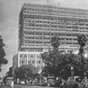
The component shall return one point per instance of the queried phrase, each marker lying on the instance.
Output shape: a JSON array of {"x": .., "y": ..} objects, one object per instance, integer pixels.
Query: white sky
[{"x": 9, "y": 13}]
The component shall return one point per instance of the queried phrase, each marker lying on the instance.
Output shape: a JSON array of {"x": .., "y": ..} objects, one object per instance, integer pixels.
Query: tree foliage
[
  {"x": 55, "y": 41},
  {"x": 59, "y": 64},
  {"x": 25, "y": 71},
  {"x": 3, "y": 60},
  {"x": 82, "y": 39},
  {"x": 9, "y": 73}
]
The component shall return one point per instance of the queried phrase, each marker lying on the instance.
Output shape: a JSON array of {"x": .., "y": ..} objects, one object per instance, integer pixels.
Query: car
[
  {"x": 9, "y": 80},
  {"x": 73, "y": 81},
  {"x": 51, "y": 82},
  {"x": 22, "y": 82},
  {"x": 44, "y": 83},
  {"x": 57, "y": 83}
]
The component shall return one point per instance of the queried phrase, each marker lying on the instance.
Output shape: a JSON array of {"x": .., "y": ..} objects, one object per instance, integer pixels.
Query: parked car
[
  {"x": 9, "y": 80},
  {"x": 44, "y": 83},
  {"x": 51, "y": 81},
  {"x": 22, "y": 82},
  {"x": 73, "y": 82},
  {"x": 57, "y": 83}
]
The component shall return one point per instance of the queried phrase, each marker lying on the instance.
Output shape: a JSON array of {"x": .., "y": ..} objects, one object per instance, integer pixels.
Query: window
[
  {"x": 21, "y": 55},
  {"x": 39, "y": 62},
  {"x": 22, "y": 62},
  {"x": 25, "y": 55},
  {"x": 74, "y": 38},
  {"x": 33, "y": 62},
  {"x": 29, "y": 61},
  {"x": 31, "y": 56}
]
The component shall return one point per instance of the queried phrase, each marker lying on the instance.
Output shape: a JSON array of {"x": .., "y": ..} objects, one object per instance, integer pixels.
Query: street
[{"x": 26, "y": 86}]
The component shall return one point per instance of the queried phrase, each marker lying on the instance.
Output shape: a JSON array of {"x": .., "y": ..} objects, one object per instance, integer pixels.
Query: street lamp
[
  {"x": 84, "y": 56},
  {"x": 72, "y": 70}
]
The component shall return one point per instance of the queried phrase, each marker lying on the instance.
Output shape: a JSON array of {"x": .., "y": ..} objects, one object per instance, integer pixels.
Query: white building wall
[{"x": 33, "y": 58}]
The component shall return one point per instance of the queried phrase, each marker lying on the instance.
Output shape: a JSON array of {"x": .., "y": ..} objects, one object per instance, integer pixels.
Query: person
[{"x": 12, "y": 84}]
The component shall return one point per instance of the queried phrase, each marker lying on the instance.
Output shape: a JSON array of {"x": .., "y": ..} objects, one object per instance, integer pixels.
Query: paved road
[{"x": 25, "y": 86}]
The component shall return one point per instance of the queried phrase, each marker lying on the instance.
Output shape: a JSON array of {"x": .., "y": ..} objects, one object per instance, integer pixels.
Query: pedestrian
[{"x": 12, "y": 84}]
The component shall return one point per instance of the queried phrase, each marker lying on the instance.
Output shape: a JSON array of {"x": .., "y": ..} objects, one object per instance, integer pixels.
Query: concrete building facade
[
  {"x": 33, "y": 58},
  {"x": 38, "y": 23},
  {"x": 25, "y": 58}
]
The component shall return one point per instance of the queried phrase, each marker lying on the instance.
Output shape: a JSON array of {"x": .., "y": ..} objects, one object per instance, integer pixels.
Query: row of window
[
  {"x": 37, "y": 42},
  {"x": 45, "y": 7},
  {"x": 64, "y": 21},
  {"x": 57, "y": 14},
  {"x": 56, "y": 26},
  {"x": 29, "y": 56},
  {"x": 53, "y": 29},
  {"x": 55, "y": 23},
  {"x": 27, "y": 41},
  {"x": 48, "y": 34},
  {"x": 38, "y": 62},
  {"x": 27, "y": 37},
  {"x": 48, "y": 42},
  {"x": 48, "y": 17},
  {"x": 32, "y": 62},
  {"x": 53, "y": 10},
  {"x": 48, "y": 38}
]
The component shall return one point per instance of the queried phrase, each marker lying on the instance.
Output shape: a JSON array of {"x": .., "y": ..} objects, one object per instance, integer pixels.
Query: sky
[{"x": 9, "y": 18}]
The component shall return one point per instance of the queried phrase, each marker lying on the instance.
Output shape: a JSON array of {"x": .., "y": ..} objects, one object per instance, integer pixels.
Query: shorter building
[
  {"x": 24, "y": 58},
  {"x": 14, "y": 63}
]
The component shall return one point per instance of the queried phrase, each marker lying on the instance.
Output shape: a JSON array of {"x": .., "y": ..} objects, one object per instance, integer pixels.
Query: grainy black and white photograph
[{"x": 43, "y": 43}]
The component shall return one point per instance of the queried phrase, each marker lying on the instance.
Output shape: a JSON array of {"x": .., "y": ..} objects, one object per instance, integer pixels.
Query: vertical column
[
  {"x": 18, "y": 59},
  {"x": 27, "y": 58},
  {"x": 36, "y": 60}
]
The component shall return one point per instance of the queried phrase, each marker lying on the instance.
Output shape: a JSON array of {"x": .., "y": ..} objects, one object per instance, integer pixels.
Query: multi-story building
[
  {"x": 25, "y": 58},
  {"x": 38, "y": 23},
  {"x": 33, "y": 58},
  {"x": 15, "y": 62}
]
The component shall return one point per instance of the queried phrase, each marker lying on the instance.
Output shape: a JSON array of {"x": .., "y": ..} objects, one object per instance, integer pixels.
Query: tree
[
  {"x": 67, "y": 61},
  {"x": 51, "y": 57},
  {"x": 3, "y": 60},
  {"x": 25, "y": 72},
  {"x": 9, "y": 73},
  {"x": 55, "y": 42},
  {"x": 60, "y": 64},
  {"x": 82, "y": 42}
]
